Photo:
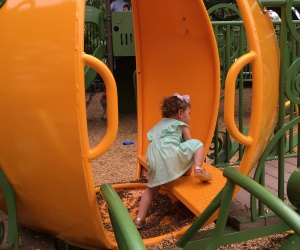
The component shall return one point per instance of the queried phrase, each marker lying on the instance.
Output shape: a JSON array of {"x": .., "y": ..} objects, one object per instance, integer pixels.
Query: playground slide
[
  {"x": 44, "y": 151},
  {"x": 95, "y": 20},
  {"x": 179, "y": 54},
  {"x": 89, "y": 73}
]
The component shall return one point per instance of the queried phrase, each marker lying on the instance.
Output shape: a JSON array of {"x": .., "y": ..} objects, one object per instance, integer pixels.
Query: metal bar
[
  {"x": 109, "y": 41},
  {"x": 277, "y": 3},
  {"x": 10, "y": 200},
  {"x": 262, "y": 179},
  {"x": 216, "y": 144},
  {"x": 232, "y": 236},
  {"x": 223, "y": 215},
  {"x": 241, "y": 22},
  {"x": 117, "y": 232},
  {"x": 291, "y": 132},
  {"x": 281, "y": 115},
  {"x": 121, "y": 217},
  {"x": 242, "y": 42},
  {"x": 298, "y": 151},
  {"x": 260, "y": 166},
  {"x": 292, "y": 105},
  {"x": 227, "y": 67},
  {"x": 216, "y": 133},
  {"x": 207, "y": 213},
  {"x": 288, "y": 215}
]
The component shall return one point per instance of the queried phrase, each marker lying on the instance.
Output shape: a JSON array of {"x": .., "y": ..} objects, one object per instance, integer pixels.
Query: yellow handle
[
  {"x": 229, "y": 98},
  {"x": 112, "y": 105}
]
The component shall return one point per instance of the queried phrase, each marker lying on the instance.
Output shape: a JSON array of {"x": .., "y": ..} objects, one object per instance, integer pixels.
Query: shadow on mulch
[{"x": 164, "y": 216}]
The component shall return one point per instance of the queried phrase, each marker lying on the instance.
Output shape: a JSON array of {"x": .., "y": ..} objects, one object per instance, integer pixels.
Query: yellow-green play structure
[{"x": 45, "y": 156}]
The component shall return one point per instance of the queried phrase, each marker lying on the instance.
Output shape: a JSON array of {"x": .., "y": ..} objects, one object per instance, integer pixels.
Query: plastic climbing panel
[{"x": 44, "y": 149}]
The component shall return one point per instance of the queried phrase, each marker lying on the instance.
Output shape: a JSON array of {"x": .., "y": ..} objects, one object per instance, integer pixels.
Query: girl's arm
[{"x": 186, "y": 135}]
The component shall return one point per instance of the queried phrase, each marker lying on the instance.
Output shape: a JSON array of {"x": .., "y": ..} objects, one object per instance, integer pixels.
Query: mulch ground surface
[{"x": 165, "y": 215}]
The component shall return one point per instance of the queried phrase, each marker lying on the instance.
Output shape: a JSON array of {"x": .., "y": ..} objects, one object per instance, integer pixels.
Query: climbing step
[{"x": 194, "y": 194}]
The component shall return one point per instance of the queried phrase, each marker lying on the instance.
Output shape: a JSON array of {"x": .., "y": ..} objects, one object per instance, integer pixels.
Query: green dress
[{"x": 168, "y": 156}]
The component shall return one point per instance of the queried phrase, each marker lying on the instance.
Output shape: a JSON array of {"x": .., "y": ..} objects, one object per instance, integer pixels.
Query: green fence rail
[{"x": 232, "y": 43}]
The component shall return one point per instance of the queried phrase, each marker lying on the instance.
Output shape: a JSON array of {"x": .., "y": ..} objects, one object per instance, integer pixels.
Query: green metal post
[
  {"x": 223, "y": 215},
  {"x": 227, "y": 67},
  {"x": 291, "y": 133},
  {"x": 207, "y": 213},
  {"x": 298, "y": 151},
  {"x": 125, "y": 228},
  {"x": 261, "y": 206},
  {"x": 260, "y": 166},
  {"x": 276, "y": 3},
  {"x": 292, "y": 104},
  {"x": 281, "y": 115},
  {"x": 242, "y": 43},
  {"x": 9, "y": 195},
  {"x": 109, "y": 41},
  {"x": 117, "y": 232},
  {"x": 216, "y": 133},
  {"x": 216, "y": 144}
]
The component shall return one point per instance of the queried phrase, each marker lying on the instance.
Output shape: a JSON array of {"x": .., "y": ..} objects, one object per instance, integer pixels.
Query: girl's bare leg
[
  {"x": 146, "y": 201},
  {"x": 200, "y": 172},
  {"x": 198, "y": 160},
  {"x": 198, "y": 157}
]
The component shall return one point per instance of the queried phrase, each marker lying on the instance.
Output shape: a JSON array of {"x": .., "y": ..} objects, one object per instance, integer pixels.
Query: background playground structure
[{"x": 262, "y": 53}]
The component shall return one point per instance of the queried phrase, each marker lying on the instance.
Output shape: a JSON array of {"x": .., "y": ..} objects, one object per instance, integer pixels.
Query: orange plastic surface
[
  {"x": 175, "y": 55},
  {"x": 44, "y": 149},
  {"x": 194, "y": 194},
  {"x": 264, "y": 56},
  {"x": 176, "y": 51}
]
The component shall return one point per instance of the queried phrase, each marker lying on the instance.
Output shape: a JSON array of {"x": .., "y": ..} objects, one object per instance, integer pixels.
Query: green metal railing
[
  {"x": 12, "y": 239},
  {"x": 127, "y": 236},
  {"x": 223, "y": 200},
  {"x": 232, "y": 43},
  {"x": 224, "y": 151}
]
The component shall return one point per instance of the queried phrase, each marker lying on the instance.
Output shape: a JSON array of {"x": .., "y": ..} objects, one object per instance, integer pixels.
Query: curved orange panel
[
  {"x": 264, "y": 55},
  {"x": 176, "y": 51},
  {"x": 44, "y": 148}
]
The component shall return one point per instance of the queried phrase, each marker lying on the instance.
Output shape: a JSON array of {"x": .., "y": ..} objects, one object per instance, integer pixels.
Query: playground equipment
[
  {"x": 44, "y": 152},
  {"x": 94, "y": 40}
]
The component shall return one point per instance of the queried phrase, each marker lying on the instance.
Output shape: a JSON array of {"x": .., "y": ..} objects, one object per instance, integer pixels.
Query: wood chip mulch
[{"x": 165, "y": 215}]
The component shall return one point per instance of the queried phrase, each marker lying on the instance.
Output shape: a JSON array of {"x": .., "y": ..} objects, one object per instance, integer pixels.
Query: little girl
[{"x": 171, "y": 151}]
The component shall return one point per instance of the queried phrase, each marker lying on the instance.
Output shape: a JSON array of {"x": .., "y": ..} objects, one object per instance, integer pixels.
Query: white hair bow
[{"x": 185, "y": 98}]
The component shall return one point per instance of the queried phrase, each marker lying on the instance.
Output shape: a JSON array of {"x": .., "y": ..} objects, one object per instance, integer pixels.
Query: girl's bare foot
[{"x": 139, "y": 223}]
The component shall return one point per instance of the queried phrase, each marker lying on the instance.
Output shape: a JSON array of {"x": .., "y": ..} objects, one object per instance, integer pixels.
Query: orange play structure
[{"x": 44, "y": 151}]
